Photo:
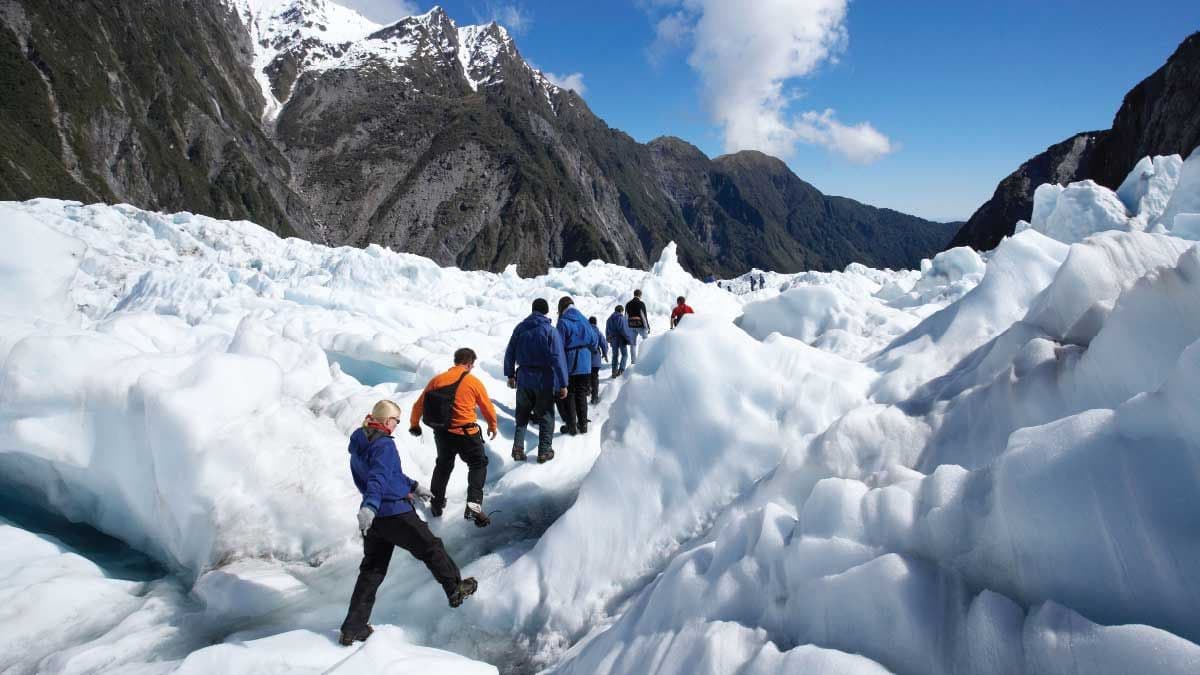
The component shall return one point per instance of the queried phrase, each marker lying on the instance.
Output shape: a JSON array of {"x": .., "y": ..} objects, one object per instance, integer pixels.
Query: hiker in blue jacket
[
  {"x": 578, "y": 340},
  {"x": 386, "y": 520},
  {"x": 620, "y": 337},
  {"x": 599, "y": 355},
  {"x": 535, "y": 365}
]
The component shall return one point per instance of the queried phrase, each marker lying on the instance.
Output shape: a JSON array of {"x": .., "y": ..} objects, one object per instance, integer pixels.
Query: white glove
[
  {"x": 365, "y": 517},
  {"x": 423, "y": 493}
]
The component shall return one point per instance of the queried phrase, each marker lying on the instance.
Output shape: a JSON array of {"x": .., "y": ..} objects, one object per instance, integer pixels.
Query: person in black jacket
[{"x": 639, "y": 322}]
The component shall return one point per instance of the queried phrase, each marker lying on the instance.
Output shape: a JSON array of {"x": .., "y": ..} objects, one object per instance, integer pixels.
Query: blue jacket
[
  {"x": 600, "y": 350},
  {"x": 578, "y": 339},
  {"x": 535, "y": 355},
  {"x": 375, "y": 465},
  {"x": 617, "y": 330}
]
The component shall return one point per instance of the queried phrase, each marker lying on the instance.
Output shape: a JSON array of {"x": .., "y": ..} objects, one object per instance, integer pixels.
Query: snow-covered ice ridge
[
  {"x": 989, "y": 465},
  {"x": 324, "y": 35}
]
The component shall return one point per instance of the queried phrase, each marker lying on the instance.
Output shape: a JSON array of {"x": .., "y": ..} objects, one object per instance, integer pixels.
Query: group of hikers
[
  {"x": 549, "y": 366},
  {"x": 757, "y": 283}
]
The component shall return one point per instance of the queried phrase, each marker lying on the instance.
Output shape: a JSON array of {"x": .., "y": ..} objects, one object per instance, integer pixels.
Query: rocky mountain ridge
[
  {"x": 1159, "y": 116},
  {"x": 421, "y": 135}
]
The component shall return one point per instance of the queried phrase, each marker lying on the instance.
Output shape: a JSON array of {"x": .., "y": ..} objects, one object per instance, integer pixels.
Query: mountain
[
  {"x": 150, "y": 103},
  {"x": 421, "y": 135},
  {"x": 1160, "y": 116}
]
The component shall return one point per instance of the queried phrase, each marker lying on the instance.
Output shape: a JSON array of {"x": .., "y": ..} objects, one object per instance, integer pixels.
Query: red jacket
[{"x": 678, "y": 312}]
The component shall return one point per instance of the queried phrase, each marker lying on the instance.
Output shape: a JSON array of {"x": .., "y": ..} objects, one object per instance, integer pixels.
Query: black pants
[
  {"x": 410, "y": 533},
  {"x": 537, "y": 405},
  {"x": 468, "y": 446},
  {"x": 595, "y": 383},
  {"x": 574, "y": 408}
]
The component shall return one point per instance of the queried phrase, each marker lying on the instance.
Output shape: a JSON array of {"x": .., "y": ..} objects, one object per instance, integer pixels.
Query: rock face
[
  {"x": 1160, "y": 116},
  {"x": 146, "y": 102},
  {"x": 422, "y": 135}
]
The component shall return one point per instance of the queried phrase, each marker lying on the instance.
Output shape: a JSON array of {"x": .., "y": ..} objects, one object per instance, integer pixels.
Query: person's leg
[
  {"x": 624, "y": 358},
  {"x": 595, "y": 384},
  {"x": 525, "y": 401},
  {"x": 633, "y": 345},
  {"x": 443, "y": 466},
  {"x": 470, "y": 448},
  {"x": 412, "y": 534},
  {"x": 377, "y": 554},
  {"x": 580, "y": 388},
  {"x": 566, "y": 407},
  {"x": 544, "y": 410}
]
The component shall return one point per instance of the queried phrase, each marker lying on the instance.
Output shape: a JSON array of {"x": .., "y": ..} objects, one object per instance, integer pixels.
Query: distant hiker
[
  {"x": 599, "y": 355},
  {"x": 536, "y": 367},
  {"x": 448, "y": 407},
  {"x": 578, "y": 340},
  {"x": 386, "y": 520},
  {"x": 681, "y": 308},
  {"x": 639, "y": 322},
  {"x": 620, "y": 337},
  {"x": 753, "y": 283},
  {"x": 762, "y": 282}
]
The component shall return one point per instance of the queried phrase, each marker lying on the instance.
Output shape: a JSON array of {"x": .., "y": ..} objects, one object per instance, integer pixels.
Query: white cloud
[
  {"x": 574, "y": 81},
  {"x": 860, "y": 143},
  {"x": 747, "y": 52},
  {"x": 383, "y": 11},
  {"x": 670, "y": 33},
  {"x": 512, "y": 16}
]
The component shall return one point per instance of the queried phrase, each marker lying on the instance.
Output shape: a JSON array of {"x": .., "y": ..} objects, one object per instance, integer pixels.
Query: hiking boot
[
  {"x": 475, "y": 512},
  {"x": 595, "y": 400},
  {"x": 583, "y": 428},
  {"x": 546, "y": 456},
  {"x": 466, "y": 588},
  {"x": 347, "y": 639},
  {"x": 518, "y": 454},
  {"x": 569, "y": 430},
  {"x": 436, "y": 507}
]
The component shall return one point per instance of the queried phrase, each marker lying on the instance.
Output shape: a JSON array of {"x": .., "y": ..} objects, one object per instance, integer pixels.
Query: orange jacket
[{"x": 470, "y": 394}]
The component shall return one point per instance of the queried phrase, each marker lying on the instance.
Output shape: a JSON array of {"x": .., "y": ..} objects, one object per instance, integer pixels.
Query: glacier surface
[{"x": 989, "y": 465}]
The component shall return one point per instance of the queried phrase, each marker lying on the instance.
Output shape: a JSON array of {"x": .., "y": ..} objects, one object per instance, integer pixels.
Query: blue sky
[{"x": 933, "y": 102}]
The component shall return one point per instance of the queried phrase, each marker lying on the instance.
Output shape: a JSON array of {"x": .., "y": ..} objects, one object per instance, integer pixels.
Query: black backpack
[{"x": 439, "y": 405}]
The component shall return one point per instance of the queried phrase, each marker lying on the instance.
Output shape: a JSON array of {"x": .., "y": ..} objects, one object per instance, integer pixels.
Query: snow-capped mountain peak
[
  {"x": 292, "y": 37},
  {"x": 480, "y": 48}
]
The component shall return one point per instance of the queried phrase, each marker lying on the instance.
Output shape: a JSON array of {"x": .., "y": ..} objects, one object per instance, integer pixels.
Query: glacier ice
[{"x": 988, "y": 465}]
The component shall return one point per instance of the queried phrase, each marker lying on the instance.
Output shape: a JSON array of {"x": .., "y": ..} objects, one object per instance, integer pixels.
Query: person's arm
[
  {"x": 558, "y": 361},
  {"x": 510, "y": 357},
  {"x": 376, "y": 478},
  {"x": 391, "y": 458},
  {"x": 414, "y": 420},
  {"x": 484, "y": 403}
]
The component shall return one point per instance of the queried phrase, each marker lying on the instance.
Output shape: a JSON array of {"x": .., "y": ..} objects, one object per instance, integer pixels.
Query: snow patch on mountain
[
  {"x": 323, "y": 36},
  {"x": 312, "y": 31}
]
